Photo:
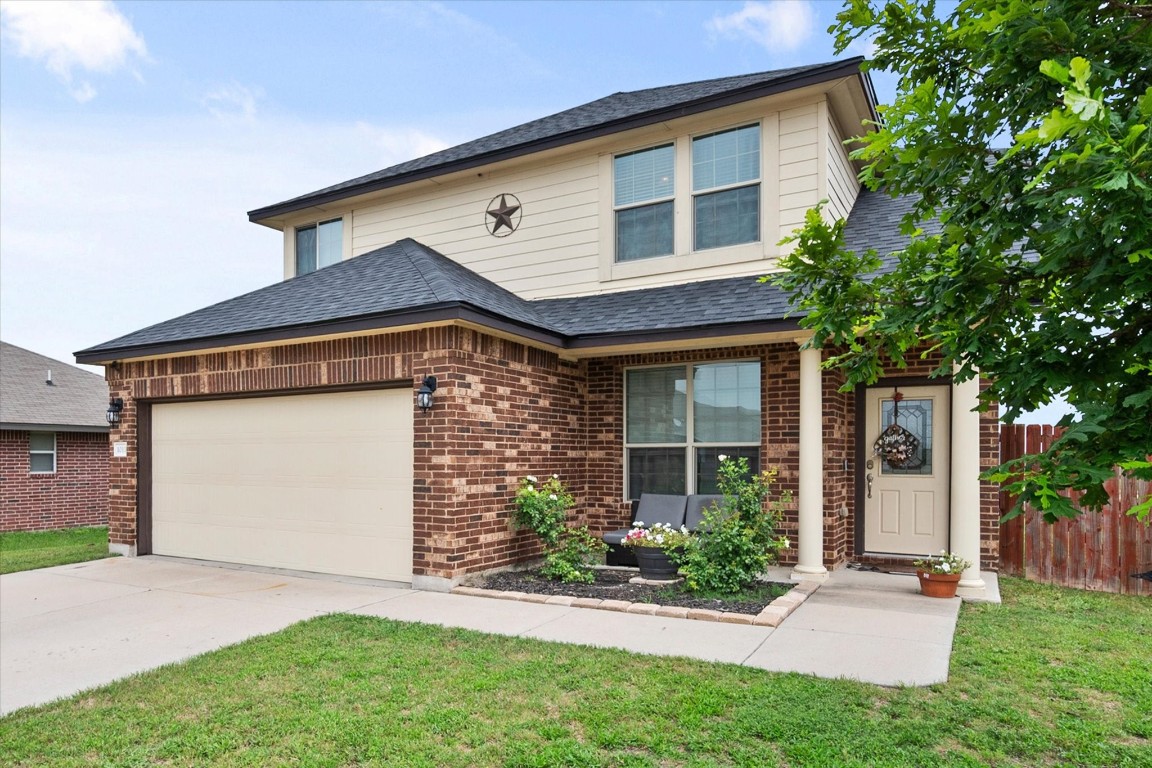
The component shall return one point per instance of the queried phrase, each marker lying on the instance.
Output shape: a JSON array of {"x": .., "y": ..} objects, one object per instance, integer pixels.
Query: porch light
[
  {"x": 115, "y": 405},
  {"x": 424, "y": 396}
]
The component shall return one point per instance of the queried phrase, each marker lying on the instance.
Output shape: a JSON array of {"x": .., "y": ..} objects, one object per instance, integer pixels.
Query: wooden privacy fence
[{"x": 1097, "y": 551}]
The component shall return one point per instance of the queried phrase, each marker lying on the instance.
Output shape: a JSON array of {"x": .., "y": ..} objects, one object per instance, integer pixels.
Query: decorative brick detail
[{"x": 75, "y": 495}]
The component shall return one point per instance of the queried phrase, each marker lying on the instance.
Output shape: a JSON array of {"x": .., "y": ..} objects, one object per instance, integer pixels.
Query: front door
[{"x": 906, "y": 502}]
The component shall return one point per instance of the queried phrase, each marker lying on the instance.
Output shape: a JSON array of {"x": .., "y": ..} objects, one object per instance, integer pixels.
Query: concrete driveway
[
  {"x": 73, "y": 627},
  {"x": 66, "y": 629}
]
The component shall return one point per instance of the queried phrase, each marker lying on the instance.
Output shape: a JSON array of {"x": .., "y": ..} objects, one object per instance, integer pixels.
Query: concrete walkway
[{"x": 66, "y": 629}]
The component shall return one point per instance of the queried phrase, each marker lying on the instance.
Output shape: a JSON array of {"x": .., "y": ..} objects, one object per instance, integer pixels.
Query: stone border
[{"x": 772, "y": 616}]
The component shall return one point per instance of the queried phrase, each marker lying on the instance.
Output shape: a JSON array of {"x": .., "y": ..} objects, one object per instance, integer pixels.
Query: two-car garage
[{"x": 317, "y": 482}]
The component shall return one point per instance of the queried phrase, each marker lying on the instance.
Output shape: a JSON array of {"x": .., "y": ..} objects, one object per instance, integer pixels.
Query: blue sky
[{"x": 135, "y": 136}]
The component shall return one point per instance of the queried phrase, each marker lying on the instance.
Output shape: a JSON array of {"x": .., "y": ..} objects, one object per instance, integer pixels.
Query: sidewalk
[{"x": 73, "y": 627}]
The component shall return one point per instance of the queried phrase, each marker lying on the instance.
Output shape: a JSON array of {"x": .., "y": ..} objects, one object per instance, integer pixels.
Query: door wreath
[{"x": 896, "y": 445}]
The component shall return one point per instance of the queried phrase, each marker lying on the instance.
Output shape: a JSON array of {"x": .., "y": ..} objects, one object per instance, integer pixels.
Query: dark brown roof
[{"x": 611, "y": 114}]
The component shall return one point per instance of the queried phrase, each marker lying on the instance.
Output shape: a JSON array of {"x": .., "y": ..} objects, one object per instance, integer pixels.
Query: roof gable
[{"x": 611, "y": 114}]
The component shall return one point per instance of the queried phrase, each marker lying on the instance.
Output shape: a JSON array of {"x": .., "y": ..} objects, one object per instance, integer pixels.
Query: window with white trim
[
  {"x": 679, "y": 419},
  {"x": 41, "y": 452},
  {"x": 319, "y": 245},
  {"x": 726, "y": 187},
  {"x": 643, "y": 190}
]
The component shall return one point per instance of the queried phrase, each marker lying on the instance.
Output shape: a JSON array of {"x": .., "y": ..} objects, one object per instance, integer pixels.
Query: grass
[
  {"x": 25, "y": 550},
  {"x": 1053, "y": 677}
]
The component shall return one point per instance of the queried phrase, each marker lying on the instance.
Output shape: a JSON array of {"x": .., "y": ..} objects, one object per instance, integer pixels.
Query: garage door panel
[{"x": 310, "y": 482}]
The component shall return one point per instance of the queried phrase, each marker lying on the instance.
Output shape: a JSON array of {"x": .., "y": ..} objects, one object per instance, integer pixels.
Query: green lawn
[
  {"x": 23, "y": 551},
  {"x": 1053, "y": 677}
]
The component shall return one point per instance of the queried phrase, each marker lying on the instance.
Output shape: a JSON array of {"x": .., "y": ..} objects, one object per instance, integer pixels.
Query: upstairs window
[
  {"x": 644, "y": 186},
  {"x": 726, "y": 187},
  {"x": 319, "y": 245},
  {"x": 42, "y": 452}
]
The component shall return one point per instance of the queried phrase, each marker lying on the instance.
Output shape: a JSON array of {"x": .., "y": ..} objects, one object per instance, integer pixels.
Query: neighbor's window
[
  {"x": 726, "y": 187},
  {"x": 42, "y": 452},
  {"x": 680, "y": 419},
  {"x": 319, "y": 245},
  {"x": 643, "y": 187}
]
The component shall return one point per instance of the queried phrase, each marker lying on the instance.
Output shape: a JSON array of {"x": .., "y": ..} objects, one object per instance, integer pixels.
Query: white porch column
[
  {"x": 810, "y": 560},
  {"x": 964, "y": 499}
]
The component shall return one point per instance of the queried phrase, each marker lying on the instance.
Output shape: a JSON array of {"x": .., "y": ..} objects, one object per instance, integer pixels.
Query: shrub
[
  {"x": 737, "y": 539},
  {"x": 568, "y": 552}
]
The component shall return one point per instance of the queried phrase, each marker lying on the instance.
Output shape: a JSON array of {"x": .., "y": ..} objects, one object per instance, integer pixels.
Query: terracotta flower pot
[
  {"x": 938, "y": 584},
  {"x": 655, "y": 565}
]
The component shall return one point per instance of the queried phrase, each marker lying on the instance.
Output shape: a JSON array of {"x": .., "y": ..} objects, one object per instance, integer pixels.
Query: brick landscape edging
[{"x": 772, "y": 616}]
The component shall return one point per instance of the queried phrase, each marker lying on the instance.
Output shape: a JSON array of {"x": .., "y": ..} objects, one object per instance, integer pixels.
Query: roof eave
[
  {"x": 34, "y": 427},
  {"x": 705, "y": 104},
  {"x": 427, "y": 315}
]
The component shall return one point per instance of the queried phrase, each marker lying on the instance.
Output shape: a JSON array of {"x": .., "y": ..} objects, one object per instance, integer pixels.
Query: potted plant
[
  {"x": 940, "y": 574},
  {"x": 652, "y": 547}
]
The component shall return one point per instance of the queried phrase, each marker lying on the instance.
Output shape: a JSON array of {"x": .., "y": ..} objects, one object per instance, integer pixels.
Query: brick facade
[
  {"x": 76, "y": 494},
  {"x": 503, "y": 410}
]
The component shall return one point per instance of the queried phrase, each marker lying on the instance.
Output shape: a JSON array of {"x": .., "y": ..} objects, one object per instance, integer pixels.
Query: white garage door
[{"x": 311, "y": 482}]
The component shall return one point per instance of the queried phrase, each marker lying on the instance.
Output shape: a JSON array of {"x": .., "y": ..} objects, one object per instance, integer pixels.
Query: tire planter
[
  {"x": 655, "y": 565},
  {"x": 938, "y": 584}
]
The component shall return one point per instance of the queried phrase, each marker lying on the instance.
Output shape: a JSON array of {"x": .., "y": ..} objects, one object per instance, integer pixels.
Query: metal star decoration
[{"x": 504, "y": 215}]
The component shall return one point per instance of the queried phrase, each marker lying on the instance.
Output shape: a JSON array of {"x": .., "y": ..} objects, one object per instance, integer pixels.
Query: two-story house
[{"x": 583, "y": 289}]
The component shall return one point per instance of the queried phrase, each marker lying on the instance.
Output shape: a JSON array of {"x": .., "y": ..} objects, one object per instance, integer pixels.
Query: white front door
[{"x": 906, "y": 506}]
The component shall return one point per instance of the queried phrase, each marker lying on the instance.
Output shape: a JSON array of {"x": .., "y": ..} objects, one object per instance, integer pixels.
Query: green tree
[{"x": 1021, "y": 126}]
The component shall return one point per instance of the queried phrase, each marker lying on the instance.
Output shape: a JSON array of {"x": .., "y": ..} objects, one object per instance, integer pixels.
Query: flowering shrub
[
  {"x": 945, "y": 562},
  {"x": 543, "y": 508},
  {"x": 737, "y": 540},
  {"x": 660, "y": 535}
]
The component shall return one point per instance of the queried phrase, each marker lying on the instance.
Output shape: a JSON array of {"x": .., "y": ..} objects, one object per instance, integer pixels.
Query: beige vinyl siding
[
  {"x": 799, "y": 165},
  {"x": 554, "y": 251},
  {"x": 565, "y": 243},
  {"x": 842, "y": 185}
]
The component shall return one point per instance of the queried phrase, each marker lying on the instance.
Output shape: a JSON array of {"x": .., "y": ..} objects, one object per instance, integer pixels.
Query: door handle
[{"x": 868, "y": 477}]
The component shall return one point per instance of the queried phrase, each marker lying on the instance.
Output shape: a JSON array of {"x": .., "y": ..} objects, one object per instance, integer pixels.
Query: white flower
[
  {"x": 531, "y": 479},
  {"x": 786, "y": 543},
  {"x": 552, "y": 496},
  {"x": 945, "y": 567},
  {"x": 722, "y": 457},
  {"x": 555, "y": 477},
  {"x": 638, "y": 524}
]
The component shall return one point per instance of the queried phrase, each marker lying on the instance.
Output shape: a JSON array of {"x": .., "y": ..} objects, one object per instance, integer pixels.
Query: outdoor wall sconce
[
  {"x": 115, "y": 405},
  {"x": 424, "y": 396}
]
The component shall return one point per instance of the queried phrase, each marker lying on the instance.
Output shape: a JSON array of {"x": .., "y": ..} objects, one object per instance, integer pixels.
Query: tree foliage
[{"x": 1023, "y": 128}]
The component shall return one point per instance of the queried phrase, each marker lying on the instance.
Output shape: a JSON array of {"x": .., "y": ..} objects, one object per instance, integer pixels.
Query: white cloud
[
  {"x": 232, "y": 101},
  {"x": 110, "y": 224},
  {"x": 84, "y": 35},
  {"x": 776, "y": 25}
]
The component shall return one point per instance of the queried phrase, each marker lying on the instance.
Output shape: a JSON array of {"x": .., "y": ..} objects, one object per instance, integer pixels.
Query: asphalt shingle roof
[
  {"x": 397, "y": 278},
  {"x": 407, "y": 278},
  {"x": 75, "y": 398},
  {"x": 617, "y": 112}
]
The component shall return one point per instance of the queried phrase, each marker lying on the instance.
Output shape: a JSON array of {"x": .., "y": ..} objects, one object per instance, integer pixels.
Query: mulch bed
[{"x": 614, "y": 585}]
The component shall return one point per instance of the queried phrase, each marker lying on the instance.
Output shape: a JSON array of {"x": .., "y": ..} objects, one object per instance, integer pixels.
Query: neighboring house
[
  {"x": 584, "y": 290},
  {"x": 53, "y": 443}
]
